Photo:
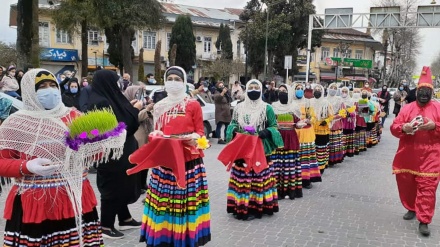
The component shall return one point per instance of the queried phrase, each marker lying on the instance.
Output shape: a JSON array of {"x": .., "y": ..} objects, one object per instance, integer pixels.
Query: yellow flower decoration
[
  {"x": 351, "y": 109},
  {"x": 342, "y": 113},
  {"x": 202, "y": 143}
]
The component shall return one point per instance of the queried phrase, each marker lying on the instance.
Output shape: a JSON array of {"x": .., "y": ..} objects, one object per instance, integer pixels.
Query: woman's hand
[
  {"x": 149, "y": 107},
  {"x": 137, "y": 104},
  {"x": 156, "y": 133}
]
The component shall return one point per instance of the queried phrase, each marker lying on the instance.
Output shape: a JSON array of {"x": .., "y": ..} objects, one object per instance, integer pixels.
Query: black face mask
[
  {"x": 424, "y": 95},
  {"x": 254, "y": 94},
  {"x": 364, "y": 96},
  {"x": 317, "y": 94},
  {"x": 220, "y": 89},
  {"x": 283, "y": 97}
]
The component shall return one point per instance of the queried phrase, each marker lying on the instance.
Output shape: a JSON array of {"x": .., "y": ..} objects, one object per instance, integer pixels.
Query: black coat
[{"x": 71, "y": 100}]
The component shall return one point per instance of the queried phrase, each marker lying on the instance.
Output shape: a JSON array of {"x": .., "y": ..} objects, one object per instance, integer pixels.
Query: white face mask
[
  {"x": 332, "y": 92},
  {"x": 344, "y": 95},
  {"x": 205, "y": 89},
  {"x": 174, "y": 87},
  {"x": 49, "y": 97},
  {"x": 356, "y": 95}
]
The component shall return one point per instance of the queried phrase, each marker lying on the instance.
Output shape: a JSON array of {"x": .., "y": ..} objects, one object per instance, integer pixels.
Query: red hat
[{"x": 425, "y": 78}]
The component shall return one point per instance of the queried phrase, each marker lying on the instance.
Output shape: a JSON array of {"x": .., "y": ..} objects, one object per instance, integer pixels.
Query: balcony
[{"x": 208, "y": 56}]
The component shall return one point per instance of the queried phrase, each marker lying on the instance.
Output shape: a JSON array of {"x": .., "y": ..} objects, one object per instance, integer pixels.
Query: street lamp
[{"x": 267, "y": 31}]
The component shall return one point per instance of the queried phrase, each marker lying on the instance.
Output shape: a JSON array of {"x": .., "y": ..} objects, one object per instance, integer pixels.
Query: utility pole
[{"x": 385, "y": 50}]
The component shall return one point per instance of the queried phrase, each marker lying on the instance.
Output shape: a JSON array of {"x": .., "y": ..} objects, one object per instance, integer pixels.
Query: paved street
[{"x": 356, "y": 205}]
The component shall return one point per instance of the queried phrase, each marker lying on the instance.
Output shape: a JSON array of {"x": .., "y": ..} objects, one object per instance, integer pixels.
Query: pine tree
[
  {"x": 141, "y": 71},
  {"x": 182, "y": 34},
  {"x": 224, "y": 42}
]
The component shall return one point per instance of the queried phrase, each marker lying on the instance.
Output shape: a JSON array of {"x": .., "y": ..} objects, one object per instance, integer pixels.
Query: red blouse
[{"x": 418, "y": 154}]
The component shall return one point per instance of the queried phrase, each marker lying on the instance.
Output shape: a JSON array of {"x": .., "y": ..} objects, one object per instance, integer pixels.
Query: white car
[{"x": 16, "y": 104}]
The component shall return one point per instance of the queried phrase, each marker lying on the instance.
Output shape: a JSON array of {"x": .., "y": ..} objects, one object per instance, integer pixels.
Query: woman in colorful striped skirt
[
  {"x": 360, "y": 141},
  {"x": 287, "y": 169},
  {"x": 39, "y": 209},
  {"x": 374, "y": 122},
  {"x": 250, "y": 195},
  {"x": 324, "y": 116},
  {"x": 304, "y": 116},
  {"x": 175, "y": 216},
  {"x": 349, "y": 123},
  {"x": 336, "y": 146}
]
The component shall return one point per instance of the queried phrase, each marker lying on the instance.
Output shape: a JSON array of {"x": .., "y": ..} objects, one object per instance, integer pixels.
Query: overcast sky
[{"x": 428, "y": 50}]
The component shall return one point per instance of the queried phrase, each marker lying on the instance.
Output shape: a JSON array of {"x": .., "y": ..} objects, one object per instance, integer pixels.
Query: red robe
[{"x": 417, "y": 163}]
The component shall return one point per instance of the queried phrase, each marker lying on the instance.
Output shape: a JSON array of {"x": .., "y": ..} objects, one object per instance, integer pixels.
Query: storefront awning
[{"x": 328, "y": 76}]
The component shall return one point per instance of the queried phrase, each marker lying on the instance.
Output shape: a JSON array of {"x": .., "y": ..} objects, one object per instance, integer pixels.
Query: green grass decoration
[
  {"x": 102, "y": 120},
  {"x": 284, "y": 118}
]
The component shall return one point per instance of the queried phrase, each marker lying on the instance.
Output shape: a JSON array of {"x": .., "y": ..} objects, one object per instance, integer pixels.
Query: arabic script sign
[{"x": 64, "y": 55}]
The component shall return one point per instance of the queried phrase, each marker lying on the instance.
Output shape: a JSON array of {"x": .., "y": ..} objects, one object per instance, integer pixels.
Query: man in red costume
[{"x": 416, "y": 163}]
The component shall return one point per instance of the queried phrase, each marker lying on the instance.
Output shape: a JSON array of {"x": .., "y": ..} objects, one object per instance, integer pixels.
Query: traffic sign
[
  {"x": 329, "y": 61},
  {"x": 287, "y": 62}
]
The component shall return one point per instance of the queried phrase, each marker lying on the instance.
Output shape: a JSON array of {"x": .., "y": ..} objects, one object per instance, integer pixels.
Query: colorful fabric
[
  {"x": 174, "y": 216},
  {"x": 348, "y": 138},
  {"x": 251, "y": 193},
  {"x": 336, "y": 147},
  {"x": 60, "y": 233},
  {"x": 287, "y": 172},
  {"x": 322, "y": 151},
  {"x": 309, "y": 164}
]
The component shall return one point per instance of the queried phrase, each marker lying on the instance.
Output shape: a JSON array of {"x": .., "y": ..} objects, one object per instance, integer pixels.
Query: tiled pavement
[{"x": 356, "y": 205}]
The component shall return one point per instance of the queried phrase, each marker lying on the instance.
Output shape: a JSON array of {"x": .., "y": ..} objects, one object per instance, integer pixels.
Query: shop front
[{"x": 59, "y": 60}]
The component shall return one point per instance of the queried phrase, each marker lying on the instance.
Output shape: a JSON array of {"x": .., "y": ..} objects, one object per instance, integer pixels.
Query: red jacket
[{"x": 418, "y": 154}]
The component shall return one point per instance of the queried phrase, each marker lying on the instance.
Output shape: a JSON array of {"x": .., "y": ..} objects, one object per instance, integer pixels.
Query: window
[
  {"x": 43, "y": 32},
  {"x": 149, "y": 40},
  {"x": 359, "y": 54},
  {"x": 325, "y": 53},
  {"x": 207, "y": 44},
  {"x": 347, "y": 54},
  {"x": 63, "y": 37},
  {"x": 168, "y": 41},
  {"x": 335, "y": 52},
  {"x": 93, "y": 37}
]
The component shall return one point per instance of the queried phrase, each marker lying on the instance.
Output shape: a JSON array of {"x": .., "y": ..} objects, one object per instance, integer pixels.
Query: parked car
[
  {"x": 392, "y": 90},
  {"x": 377, "y": 90}
]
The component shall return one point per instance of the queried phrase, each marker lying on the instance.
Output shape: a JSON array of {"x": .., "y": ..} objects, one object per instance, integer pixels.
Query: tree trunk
[
  {"x": 270, "y": 55},
  {"x": 27, "y": 34},
  {"x": 126, "y": 36},
  {"x": 84, "y": 49}
]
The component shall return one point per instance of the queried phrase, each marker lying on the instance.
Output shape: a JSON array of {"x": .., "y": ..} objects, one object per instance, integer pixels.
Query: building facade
[{"x": 62, "y": 51}]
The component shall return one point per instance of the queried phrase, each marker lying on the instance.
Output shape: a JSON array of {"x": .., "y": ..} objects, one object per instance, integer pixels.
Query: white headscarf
[
  {"x": 298, "y": 104},
  {"x": 335, "y": 101},
  {"x": 320, "y": 105},
  {"x": 347, "y": 101},
  {"x": 280, "y": 108},
  {"x": 251, "y": 112},
  {"x": 170, "y": 106}
]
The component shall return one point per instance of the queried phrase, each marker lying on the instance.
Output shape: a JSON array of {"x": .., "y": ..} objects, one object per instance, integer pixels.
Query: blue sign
[{"x": 62, "y": 55}]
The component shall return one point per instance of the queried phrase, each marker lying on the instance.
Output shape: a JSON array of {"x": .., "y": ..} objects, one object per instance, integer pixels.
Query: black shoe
[
  {"x": 424, "y": 230},
  {"x": 112, "y": 234},
  {"x": 308, "y": 186},
  {"x": 409, "y": 215},
  {"x": 220, "y": 141},
  {"x": 250, "y": 217},
  {"x": 133, "y": 224}
]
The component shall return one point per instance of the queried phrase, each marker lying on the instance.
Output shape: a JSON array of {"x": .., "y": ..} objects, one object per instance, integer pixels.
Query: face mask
[
  {"x": 174, "y": 87},
  {"x": 384, "y": 89},
  {"x": 317, "y": 94},
  {"x": 400, "y": 88},
  {"x": 220, "y": 89},
  {"x": 374, "y": 98},
  {"x": 364, "y": 96},
  {"x": 332, "y": 92},
  {"x": 344, "y": 95},
  {"x": 350, "y": 87},
  {"x": 424, "y": 95},
  {"x": 254, "y": 94},
  {"x": 205, "y": 89},
  {"x": 152, "y": 81},
  {"x": 283, "y": 97},
  {"x": 74, "y": 90},
  {"x": 308, "y": 87},
  {"x": 85, "y": 84},
  {"x": 299, "y": 93},
  {"x": 367, "y": 86},
  {"x": 49, "y": 97},
  {"x": 66, "y": 86},
  {"x": 405, "y": 84},
  {"x": 356, "y": 95}
]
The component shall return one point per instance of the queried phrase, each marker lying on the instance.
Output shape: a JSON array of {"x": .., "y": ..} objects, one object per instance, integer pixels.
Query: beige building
[{"x": 61, "y": 51}]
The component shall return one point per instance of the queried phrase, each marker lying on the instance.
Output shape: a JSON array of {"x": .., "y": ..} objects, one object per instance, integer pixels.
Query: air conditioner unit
[
  {"x": 100, "y": 39},
  {"x": 162, "y": 58},
  {"x": 199, "y": 39}
]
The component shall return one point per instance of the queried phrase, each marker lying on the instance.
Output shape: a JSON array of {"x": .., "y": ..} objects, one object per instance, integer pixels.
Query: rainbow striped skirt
[
  {"x": 176, "y": 216},
  {"x": 251, "y": 193}
]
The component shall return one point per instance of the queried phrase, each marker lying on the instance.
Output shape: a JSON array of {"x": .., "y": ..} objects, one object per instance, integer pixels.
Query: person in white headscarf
[
  {"x": 259, "y": 189},
  {"x": 336, "y": 151},
  {"x": 287, "y": 168},
  {"x": 360, "y": 99},
  {"x": 185, "y": 210},
  {"x": 306, "y": 135},
  {"x": 324, "y": 115},
  {"x": 39, "y": 209},
  {"x": 373, "y": 123},
  {"x": 349, "y": 122}
]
